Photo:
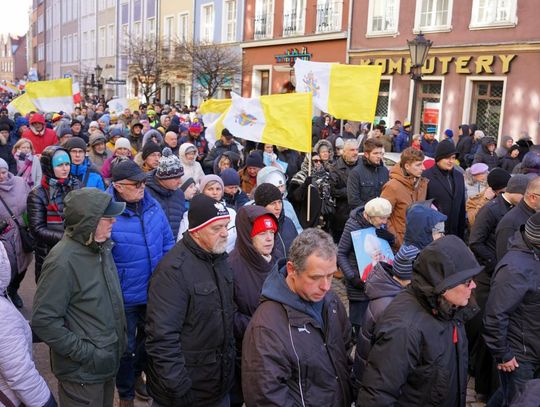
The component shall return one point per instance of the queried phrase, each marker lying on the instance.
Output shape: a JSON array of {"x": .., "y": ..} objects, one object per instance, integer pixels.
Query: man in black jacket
[
  {"x": 419, "y": 356},
  {"x": 447, "y": 188},
  {"x": 366, "y": 180},
  {"x": 226, "y": 143},
  {"x": 189, "y": 320},
  {"x": 517, "y": 216},
  {"x": 512, "y": 317}
]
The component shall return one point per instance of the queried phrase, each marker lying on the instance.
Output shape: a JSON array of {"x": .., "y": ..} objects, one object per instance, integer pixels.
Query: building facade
[
  {"x": 481, "y": 68},
  {"x": 276, "y": 32},
  {"x": 12, "y": 58}
]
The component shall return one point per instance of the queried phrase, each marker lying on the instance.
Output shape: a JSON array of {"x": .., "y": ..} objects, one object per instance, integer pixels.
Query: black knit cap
[
  {"x": 444, "y": 150},
  {"x": 187, "y": 183},
  {"x": 204, "y": 210},
  {"x": 150, "y": 148},
  {"x": 532, "y": 229},
  {"x": 266, "y": 193},
  {"x": 75, "y": 142},
  {"x": 498, "y": 178}
]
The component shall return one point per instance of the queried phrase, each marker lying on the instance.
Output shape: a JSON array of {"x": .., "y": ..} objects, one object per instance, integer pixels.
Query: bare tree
[{"x": 214, "y": 66}]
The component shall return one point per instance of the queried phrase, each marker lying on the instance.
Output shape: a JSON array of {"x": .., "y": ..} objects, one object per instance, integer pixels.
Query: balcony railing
[
  {"x": 329, "y": 16},
  {"x": 263, "y": 26},
  {"x": 293, "y": 23}
]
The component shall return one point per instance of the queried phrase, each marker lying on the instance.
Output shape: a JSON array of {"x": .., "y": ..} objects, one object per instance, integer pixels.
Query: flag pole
[{"x": 309, "y": 189}]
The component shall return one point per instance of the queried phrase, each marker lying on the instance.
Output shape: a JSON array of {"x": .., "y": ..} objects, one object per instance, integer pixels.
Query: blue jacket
[
  {"x": 401, "y": 142},
  {"x": 140, "y": 243},
  {"x": 429, "y": 148},
  {"x": 93, "y": 179}
]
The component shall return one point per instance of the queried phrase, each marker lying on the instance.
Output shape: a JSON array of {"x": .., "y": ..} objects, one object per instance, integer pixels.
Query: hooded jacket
[
  {"x": 402, "y": 191},
  {"x": 172, "y": 202},
  {"x": 19, "y": 379},
  {"x": 365, "y": 182},
  {"x": 423, "y": 220},
  {"x": 419, "y": 354},
  {"x": 295, "y": 352},
  {"x": 44, "y": 138},
  {"x": 483, "y": 155},
  {"x": 464, "y": 145},
  {"x": 216, "y": 151},
  {"x": 141, "y": 238},
  {"x": 512, "y": 316},
  {"x": 339, "y": 174},
  {"x": 509, "y": 225},
  {"x": 78, "y": 309},
  {"x": 249, "y": 268},
  {"x": 284, "y": 237},
  {"x": 192, "y": 169},
  {"x": 189, "y": 327},
  {"x": 87, "y": 174}
]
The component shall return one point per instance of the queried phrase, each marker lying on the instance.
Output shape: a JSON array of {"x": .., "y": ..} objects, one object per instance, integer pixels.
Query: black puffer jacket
[
  {"x": 288, "y": 358},
  {"x": 464, "y": 145},
  {"x": 485, "y": 156},
  {"x": 365, "y": 182},
  {"x": 47, "y": 234},
  {"x": 512, "y": 317},
  {"x": 189, "y": 327},
  {"x": 172, "y": 202},
  {"x": 419, "y": 356},
  {"x": 339, "y": 174}
]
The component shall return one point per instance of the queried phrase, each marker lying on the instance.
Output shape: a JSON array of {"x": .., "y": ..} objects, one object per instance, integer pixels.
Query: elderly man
[
  {"x": 295, "y": 349},
  {"x": 190, "y": 342},
  {"x": 78, "y": 309}
]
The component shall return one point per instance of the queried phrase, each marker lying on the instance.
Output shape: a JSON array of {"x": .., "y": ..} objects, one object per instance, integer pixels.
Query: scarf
[
  {"x": 56, "y": 190},
  {"x": 24, "y": 167}
]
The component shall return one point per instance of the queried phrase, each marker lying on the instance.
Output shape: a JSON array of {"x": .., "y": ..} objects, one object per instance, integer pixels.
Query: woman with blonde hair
[{"x": 28, "y": 166}]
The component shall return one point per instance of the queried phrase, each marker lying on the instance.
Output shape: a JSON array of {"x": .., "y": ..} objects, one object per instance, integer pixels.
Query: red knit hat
[{"x": 262, "y": 224}]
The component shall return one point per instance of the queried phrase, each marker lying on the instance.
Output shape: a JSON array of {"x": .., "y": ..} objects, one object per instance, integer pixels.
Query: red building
[
  {"x": 483, "y": 66},
  {"x": 276, "y": 32}
]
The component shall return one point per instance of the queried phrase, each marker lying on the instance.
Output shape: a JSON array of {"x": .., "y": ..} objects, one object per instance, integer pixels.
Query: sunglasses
[
  {"x": 137, "y": 184},
  {"x": 316, "y": 160}
]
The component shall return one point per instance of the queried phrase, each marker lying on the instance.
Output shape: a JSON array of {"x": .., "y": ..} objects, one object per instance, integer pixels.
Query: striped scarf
[{"x": 56, "y": 191}]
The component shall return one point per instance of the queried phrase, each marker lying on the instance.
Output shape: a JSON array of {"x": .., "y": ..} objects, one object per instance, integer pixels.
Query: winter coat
[
  {"x": 20, "y": 381},
  {"x": 249, "y": 268},
  {"x": 148, "y": 136},
  {"x": 78, "y": 310},
  {"x": 365, "y": 182},
  {"x": 482, "y": 239},
  {"x": 106, "y": 170},
  {"x": 339, "y": 174},
  {"x": 429, "y": 147},
  {"x": 464, "y": 145},
  {"x": 501, "y": 151},
  {"x": 189, "y": 327},
  {"x": 172, "y": 202},
  {"x": 346, "y": 258},
  {"x": 200, "y": 143},
  {"x": 483, "y": 155},
  {"x": 402, "y": 140},
  {"x": 88, "y": 175},
  {"x": 14, "y": 192},
  {"x": 29, "y": 169},
  {"x": 192, "y": 169},
  {"x": 288, "y": 357},
  {"x": 512, "y": 316},
  {"x": 419, "y": 354},
  {"x": 508, "y": 163},
  {"x": 141, "y": 237},
  {"x": 402, "y": 191},
  {"x": 218, "y": 149},
  {"x": 509, "y": 224},
  {"x": 451, "y": 202},
  {"x": 298, "y": 196},
  {"x": 284, "y": 237},
  {"x": 5, "y": 154},
  {"x": 381, "y": 288},
  {"x": 47, "y": 137},
  {"x": 247, "y": 183},
  {"x": 237, "y": 201},
  {"x": 99, "y": 159}
]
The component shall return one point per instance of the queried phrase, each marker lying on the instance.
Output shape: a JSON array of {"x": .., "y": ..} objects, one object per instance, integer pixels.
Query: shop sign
[
  {"x": 431, "y": 113},
  {"x": 464, "y": 65},
  {"x": 292, "y": 54}
]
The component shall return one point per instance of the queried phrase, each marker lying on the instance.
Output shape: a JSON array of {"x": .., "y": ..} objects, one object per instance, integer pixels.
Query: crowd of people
[{"x": 196, "y": 272}]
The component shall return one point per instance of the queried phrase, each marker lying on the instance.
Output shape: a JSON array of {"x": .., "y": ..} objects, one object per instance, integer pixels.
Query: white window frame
[
  {"x": 385, "y": 32},
  {"x": 183, "y": 26},
  {"x": 168, "y": 30},
  {"x": 227, "y": 23},
  {"x": 494, "y": 10},
  {"x": 111, "y": 40},
  {"x": 445, "y": 27},
  {"x": 102, "y": 33},
  {"x": 206, "y": 33},
  {"x": 137, "y": 29},
  {"x": 335, "y": 16},
  {"x": 264, "y": 7},
  {"x": 151, "y": 26},
  {"x": 300, "y": 18}
]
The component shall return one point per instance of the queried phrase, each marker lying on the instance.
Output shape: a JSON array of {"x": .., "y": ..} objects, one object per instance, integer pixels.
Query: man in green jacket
[{"x": 78, "y": 309}]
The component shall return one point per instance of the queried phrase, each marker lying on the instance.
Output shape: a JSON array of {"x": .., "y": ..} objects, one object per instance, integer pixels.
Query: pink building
[{"x": 483, "y": 66}]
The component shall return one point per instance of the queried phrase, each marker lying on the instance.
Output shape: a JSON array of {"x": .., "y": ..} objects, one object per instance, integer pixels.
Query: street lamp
[{"x": 419, "y": 49}]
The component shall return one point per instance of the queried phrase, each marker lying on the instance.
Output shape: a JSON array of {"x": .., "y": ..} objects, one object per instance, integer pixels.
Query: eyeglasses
[
  {"x": 137, "y": 184},
  {"x": 468, "y": 282},
  {"x": 316, "y": 160}
]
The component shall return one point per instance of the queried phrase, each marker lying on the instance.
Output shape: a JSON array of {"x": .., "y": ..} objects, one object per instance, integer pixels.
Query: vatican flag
[
  {"x": 51, "y": 96},
  {"x": 22, "y": 104},
  {"x": 283, "y": 120},
  {"x": 213, "y": 112},
  {"x": 345, "y": 91}
]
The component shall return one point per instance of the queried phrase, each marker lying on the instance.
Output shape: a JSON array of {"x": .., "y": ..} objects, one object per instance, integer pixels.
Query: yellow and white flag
[
  {"x": 7, "y": 89},
  {"x": 51, "y": 96},
  {"x": 21, "y": 104},
  {"x": 283, "y": 120},
  {"x": 345, "y": 91},
  {"x": 213, "y": 112}
]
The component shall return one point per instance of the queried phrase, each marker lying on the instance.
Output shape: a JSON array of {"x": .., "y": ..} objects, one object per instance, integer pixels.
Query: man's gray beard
[{"x": 219, "y": 247}]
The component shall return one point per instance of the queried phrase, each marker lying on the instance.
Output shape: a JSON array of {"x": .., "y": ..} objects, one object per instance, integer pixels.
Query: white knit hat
[
  {"x": 378, "y": 207},
  {"x": 122, "y": 142}
]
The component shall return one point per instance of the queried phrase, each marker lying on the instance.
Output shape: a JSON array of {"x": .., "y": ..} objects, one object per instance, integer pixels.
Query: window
[
  {"x": 150, "y": 8},
  {"x": 102, "y": 42},
  {"x": 84, "y": 50},
  {"x": 383, "y": 101},
  {"x": 64, "y": 11},
  {"x": 433, "y": 15},
  {"x": 207, "y": 23},
  {"x": 183, "y": 26},
  {"x": 265, "y": 82},
  {"x": 429, "y": 91},
  {"x": 264, "y": 11},
  {"x": 75, "y": 47},
  {"x": 168, "y": 31},
  {"x": 41, "y": 52},
  {"x": 293, "y": 17},
  {"x": 124, "y": 13},
  {"x": 111, "y": 40},
  {"x": 383, "y": 17},
  {"x": 229, "y": 21},
  {"x": 493, "y": 13},
  {"x": 486, "y": 106},
  {"x": 137, "y": 29},
  {"x": 64, "y": 48},
  {"x": 40, "y": 24},
  {"x": 137, "y": 10},
  {"x": 329, "y": 15},
  {"x": 151, "y": 27},
  {"x": 92, "y": 44}
]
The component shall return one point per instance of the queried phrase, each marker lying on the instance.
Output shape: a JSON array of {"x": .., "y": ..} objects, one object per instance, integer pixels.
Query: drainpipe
[{"x": 349, "y": 30}]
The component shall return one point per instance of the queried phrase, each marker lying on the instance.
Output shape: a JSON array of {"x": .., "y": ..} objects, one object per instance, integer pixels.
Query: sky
[{"x": 15, "y": 16}]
